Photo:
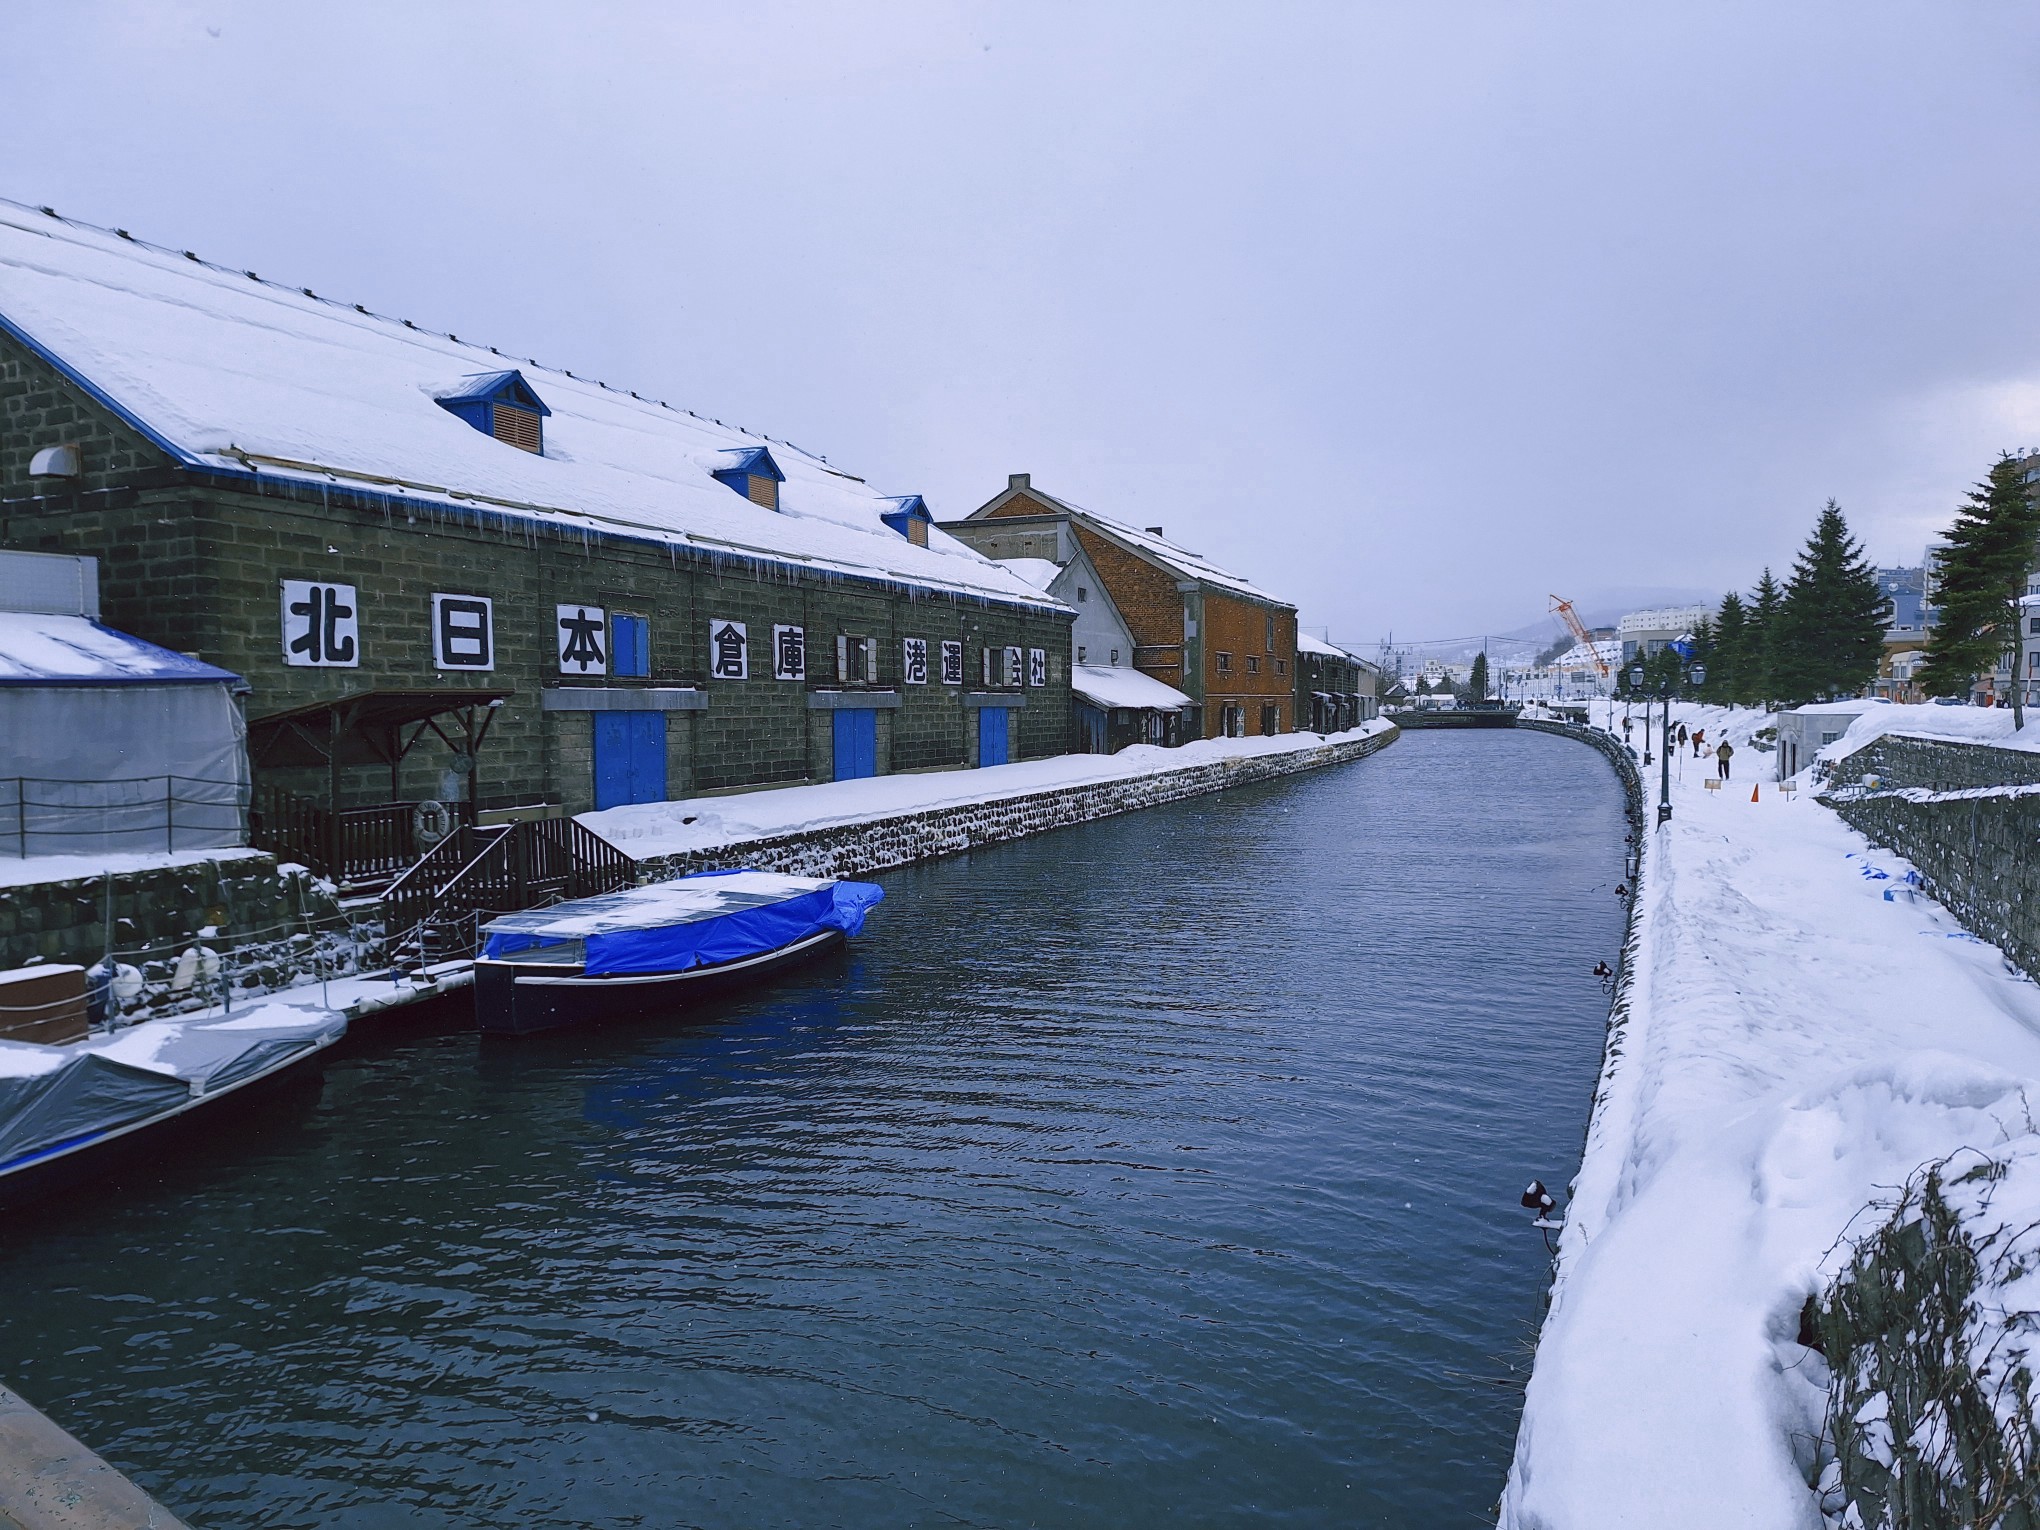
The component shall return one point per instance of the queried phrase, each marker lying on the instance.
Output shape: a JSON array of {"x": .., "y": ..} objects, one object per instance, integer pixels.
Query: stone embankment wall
[
  {"x": 903, "y": 838},
  {"x": 268, "y": 926},
  {"x": 1967, "y": 816}
]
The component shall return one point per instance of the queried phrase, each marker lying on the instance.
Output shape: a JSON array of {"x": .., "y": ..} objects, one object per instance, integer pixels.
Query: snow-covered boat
[
  {"x": 68, "y": 1111},
  {"x": 654, "y": 950}
]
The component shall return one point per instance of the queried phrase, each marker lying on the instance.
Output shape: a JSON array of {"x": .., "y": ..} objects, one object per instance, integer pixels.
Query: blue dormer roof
[
  {"x": 744, "y": 463},
  {"x": 494, "y": 388},
  {"x": 906, "y": 509}
]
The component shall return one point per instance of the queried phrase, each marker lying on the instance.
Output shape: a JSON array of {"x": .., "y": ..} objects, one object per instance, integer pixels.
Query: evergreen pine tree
[
  {"x": 1477, "y": 682},
  {"x": 1731, "y": 643},
  {"x": 1982, "y": 575},
  {"x": 1829, "y": 633},
  {"x": 1703, "y": 649},
  {"x": 1756, "y": 687},
  {"x": 1423, "y": 686}
]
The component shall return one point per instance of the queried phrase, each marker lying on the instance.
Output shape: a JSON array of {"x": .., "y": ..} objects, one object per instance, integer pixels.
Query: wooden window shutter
[
  {"x": 764, "y": 491},
  {"x": 515, "y": 427},
  {"x": 842, "y": 657},
  {"x": 917, "y": 532},
  {"x": 871, "y": 659}
]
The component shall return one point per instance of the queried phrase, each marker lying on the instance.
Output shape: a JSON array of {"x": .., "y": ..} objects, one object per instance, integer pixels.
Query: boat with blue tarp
[{"x": 651, "y": 950}]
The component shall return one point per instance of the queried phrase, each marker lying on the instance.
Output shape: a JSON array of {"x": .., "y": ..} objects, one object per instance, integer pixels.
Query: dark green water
[{"x": 1157, "y": 1172}]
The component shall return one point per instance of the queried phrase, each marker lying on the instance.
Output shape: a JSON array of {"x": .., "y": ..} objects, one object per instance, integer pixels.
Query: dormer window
[
  {"x": 752, "y": 473},
  {"x": 501, "y": 404},
  {"x": 909, "y": 516}
]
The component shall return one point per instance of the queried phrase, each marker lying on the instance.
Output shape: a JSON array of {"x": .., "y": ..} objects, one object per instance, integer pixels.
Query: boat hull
[
  {"x": 49, "y": 1170},
  {"x": 518, "y": 998}
]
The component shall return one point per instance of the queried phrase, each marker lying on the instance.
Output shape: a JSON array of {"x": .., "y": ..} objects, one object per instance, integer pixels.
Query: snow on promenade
[
  {"x": 1797, "y": 1044},
  {"x": 705, "y": 823}
]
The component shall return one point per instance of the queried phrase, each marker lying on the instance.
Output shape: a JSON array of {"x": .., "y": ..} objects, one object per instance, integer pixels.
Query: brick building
[
  {"x": 1227, "y": 646},
  {"x": 1334, "y": 689},
  {"x": 446, "y": 573}
]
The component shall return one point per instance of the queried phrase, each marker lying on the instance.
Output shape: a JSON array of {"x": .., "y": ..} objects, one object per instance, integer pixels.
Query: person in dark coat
[{"x": 1721, "y": 757}]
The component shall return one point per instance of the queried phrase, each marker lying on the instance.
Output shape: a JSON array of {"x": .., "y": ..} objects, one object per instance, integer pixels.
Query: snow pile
[
  {"x": 1971, "y": 725},
  {"x": 1931, "y": 1328},
  {"x": 650, "y": 829},
  {"x": 18, "y": 871},
  {"x": 1802, "y": 1032},
  {"x": 1112, "y": 686}
]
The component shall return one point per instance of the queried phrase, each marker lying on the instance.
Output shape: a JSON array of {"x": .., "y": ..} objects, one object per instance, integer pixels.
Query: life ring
[{"x": 431, "y": 822}]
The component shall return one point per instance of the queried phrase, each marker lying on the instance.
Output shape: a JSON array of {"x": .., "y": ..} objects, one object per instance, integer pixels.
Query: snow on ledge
[
  {"x": 18, "y": 872},
  {"x": 652, "y": 829}
]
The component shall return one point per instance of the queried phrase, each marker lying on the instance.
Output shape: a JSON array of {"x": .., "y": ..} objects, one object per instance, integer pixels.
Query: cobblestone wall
[
  {"x": 1965, "y": 816},
  {"x": 899, "y": 840},
  {"x": 269, "y": 926}
]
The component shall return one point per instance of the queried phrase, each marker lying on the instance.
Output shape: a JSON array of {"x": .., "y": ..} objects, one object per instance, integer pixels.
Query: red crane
[{"x": 1578, "y": 628}]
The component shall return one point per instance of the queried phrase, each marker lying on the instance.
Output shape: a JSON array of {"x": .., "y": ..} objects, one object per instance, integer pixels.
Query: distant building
[
  {"x": 1804, "y": 731},
  {"x": 1334, "y": 689},
  {"x": 1644, "y": 633},
  {"x": 1195, "y": 627},
  {"x": 1572, "y": 676}
]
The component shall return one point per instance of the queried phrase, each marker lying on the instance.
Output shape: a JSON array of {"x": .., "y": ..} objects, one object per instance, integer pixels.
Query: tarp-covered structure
[
  {"x": 53, "y": 1098},
  {"x": 697, "y": 921},
  {"x": 114, "y": 744}
]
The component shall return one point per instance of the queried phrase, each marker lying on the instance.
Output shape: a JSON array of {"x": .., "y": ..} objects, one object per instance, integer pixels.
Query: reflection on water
[{"x": 1157, "y": 1172}]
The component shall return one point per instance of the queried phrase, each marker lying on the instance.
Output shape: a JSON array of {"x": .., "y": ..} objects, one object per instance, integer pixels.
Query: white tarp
[{"x": 86, "y": 769}]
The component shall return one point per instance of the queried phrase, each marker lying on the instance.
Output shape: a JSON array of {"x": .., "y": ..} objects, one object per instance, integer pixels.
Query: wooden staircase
[{"x": 434, "y": 911}]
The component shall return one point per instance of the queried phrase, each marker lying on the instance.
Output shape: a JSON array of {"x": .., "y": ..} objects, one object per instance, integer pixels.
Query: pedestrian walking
[
  {"x": 1721, "y": 756},
  {"x": 1682, "y": 735},
  {"x": 1699, "y": 742},
  {"x": 1625, "y": 728}
]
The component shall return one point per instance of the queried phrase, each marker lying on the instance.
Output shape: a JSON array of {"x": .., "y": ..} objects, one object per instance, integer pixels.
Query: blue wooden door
[
  {"x": 991, "y": 735},
  {"x": 630, "y": 758},
  {"x": 856, "y": 744}
]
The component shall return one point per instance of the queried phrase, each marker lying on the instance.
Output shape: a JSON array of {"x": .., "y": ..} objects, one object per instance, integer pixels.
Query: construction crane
[{"x": 1564, "y": 611}]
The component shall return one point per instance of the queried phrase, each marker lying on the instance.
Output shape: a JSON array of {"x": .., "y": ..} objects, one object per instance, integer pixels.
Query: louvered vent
[
  {"x": 764, "y": 491},
  {"x": 518, "y": 427}
]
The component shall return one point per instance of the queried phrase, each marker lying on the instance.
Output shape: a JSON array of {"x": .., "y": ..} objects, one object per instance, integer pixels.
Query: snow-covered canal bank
[{"x": 1796, "y": 1045}]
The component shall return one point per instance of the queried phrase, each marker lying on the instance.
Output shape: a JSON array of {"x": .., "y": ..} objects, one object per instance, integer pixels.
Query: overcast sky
[{"x": 1412, "y": 313}]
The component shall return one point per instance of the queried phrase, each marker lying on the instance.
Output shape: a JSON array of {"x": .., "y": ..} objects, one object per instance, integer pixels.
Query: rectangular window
[
  {"x": 1281, "y": 666},
  {"x": 630, "y": 646},
  {"x": 856, "y": 660},
  {"x": 1269, "y": 645},
  {"x": 1224, "y": 663},
  {"x": 1253, "y": 664},
  {"x": 1080, "y": 655}
]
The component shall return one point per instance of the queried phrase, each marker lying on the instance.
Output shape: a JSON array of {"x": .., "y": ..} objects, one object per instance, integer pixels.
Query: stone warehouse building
[
  {"x": 1230, "y": 648},
  {"x": 447, "y": 573}
]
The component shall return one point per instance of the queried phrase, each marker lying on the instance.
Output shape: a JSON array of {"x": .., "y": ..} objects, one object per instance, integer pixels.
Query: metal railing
[
  {"x": 352, "y": 845},
  {"x": 44, "y": 816}
]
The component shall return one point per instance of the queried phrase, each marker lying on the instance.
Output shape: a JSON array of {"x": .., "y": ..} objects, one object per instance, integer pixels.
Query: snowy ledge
[
  {"x": 1795, "y": 1045},
  {"x": 656, "y": 830},
  {"x": 15, "y": 871}
]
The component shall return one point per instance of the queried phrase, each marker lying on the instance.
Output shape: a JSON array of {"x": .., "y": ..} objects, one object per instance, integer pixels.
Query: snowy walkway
[
  {"x": 653, "y": 829},
  {"x": 1796, "y": 1046}
]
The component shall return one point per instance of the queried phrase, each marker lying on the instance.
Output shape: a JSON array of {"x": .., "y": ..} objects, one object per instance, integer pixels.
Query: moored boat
[
  {"x": 657, "y": 949},
  {"x": 66, "y": 1111}
]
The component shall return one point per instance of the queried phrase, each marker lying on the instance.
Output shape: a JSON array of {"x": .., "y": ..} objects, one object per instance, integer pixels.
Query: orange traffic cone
[{"x": 1753, "y": 793}]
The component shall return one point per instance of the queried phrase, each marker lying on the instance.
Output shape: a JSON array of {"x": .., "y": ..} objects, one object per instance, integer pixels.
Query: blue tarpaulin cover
[{"x": 697, "y": 921}]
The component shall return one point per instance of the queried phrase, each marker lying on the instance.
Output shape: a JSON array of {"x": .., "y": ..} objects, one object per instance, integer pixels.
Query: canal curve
[{"x": 1161, "y": 1171}]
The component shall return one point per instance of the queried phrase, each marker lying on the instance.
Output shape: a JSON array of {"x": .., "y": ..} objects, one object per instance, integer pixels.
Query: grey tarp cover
[{"x": 50, "y": 1096}]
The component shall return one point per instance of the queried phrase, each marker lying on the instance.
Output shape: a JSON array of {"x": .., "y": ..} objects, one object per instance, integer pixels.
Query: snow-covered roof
[
  {"x": 1113, "y": 687},
  {"x": 1180, "y": 560},
  {"x": 1305, "y": 643},
  {"x": 1039, "y": 572},
  {"x": 40, "y": 649},
  {"x": 224, "y": 370}
]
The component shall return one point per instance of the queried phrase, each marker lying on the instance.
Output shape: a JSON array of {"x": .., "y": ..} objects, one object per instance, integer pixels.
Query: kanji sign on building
[
  {"x": 914, "y": 660},
  {"x": 952, "y": 663},
  {"x": 789, "y": 653},
  {"x": 1012, "y": 666},
  {"x": 583, "y": 633},
  {"x": 463, "y": 632},
  {"x": 729, "y": 651},
  {"x": 1037, "y": 666},
  {"x": 321, "y": 625}
]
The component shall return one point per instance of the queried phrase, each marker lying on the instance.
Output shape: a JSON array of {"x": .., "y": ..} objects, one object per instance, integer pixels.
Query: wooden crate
[{"x": 45, "y": 1004}]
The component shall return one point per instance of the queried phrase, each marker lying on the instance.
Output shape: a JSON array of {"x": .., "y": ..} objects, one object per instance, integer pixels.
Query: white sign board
[
  {"x": 789, "y": 653},
  {"x": 914, "y": 660},
  {"x": 463, "y": 632},
  {"x": 952, "y": 663},
  {"x": 321, "y": 625},
  {"x": 1037, "y": 666},
  {"x": 729, "y": 651},
  {"x": 583, "y": 634}
]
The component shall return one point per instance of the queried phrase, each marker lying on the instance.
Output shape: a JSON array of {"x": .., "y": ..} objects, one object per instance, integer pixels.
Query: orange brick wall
[
  {"x": 1240, "y": 628},
  {"x": 1149, "y": 602}
]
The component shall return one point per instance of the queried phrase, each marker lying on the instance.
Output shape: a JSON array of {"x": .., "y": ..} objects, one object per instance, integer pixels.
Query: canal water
[{"x": 1158, "y": 1172}]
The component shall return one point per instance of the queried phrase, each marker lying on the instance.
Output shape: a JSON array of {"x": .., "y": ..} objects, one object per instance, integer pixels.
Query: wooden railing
[
  {"x": 354, "y": 845},
  {"x": 435, "y": 909}
]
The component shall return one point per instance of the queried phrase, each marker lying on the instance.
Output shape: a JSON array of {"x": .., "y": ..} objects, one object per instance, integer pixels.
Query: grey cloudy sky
[{"x": 1411, "y": 312}]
